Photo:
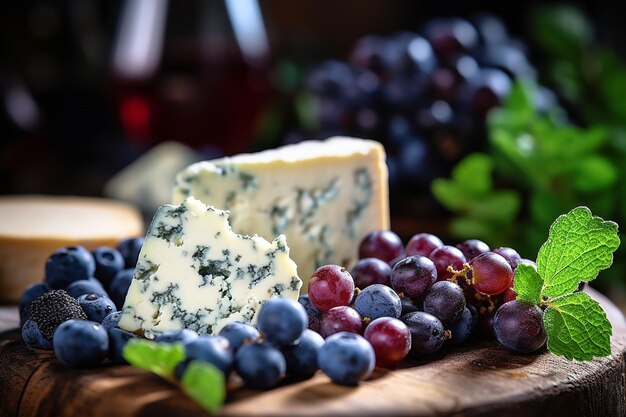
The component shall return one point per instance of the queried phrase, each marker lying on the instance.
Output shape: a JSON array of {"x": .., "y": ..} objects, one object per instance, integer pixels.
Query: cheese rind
[
  {"x": 325, "y": 196},
  {"x": 34, "y": 226},
  {"x": 194, "y": 272}
]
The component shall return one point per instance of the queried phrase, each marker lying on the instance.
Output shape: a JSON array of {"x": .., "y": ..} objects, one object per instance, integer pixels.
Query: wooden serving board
[{"x": 481, "y": 379}]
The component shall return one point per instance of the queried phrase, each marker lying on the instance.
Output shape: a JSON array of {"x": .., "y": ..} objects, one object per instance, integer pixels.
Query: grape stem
[{"x": 460, "y": 274}]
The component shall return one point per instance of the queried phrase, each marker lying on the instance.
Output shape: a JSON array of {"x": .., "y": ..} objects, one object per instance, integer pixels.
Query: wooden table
[{"x": 481, "y": 379}]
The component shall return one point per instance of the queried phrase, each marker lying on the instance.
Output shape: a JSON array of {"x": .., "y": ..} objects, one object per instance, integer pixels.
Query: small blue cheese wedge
[
  {"x": 195, "y": 273},
  {"x": 325, "y": 196}
]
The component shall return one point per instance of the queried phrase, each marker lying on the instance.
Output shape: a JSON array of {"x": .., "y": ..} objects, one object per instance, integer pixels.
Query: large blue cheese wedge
[
  {"x": 325, "y": 196},
  {"x": 194, "y": 272}
]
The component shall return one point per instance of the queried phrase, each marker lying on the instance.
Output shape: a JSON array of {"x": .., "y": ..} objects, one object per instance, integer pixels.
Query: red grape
[
  {"x": 341, "y": 319},
  {"x": 471, "y": 248},
  {"x": 370, "y": 271},
  {"x": 510, "y": 254},
  {"x": 381, "y": 244},
  {"x": 423, "y": 244},
  {"x": 491, "y": 273},
  {"x": 413, "y": 276},
  {"x": 444, "y": 257},
  {"x": 390, "y": 338},
  {"x": 509, "y": 295},
  {"x": 330, "y": 286}
]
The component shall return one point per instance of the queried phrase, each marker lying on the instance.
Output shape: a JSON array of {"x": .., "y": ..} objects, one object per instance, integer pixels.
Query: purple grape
[
  {"x": 423, "y": 244},
  {"x": 446, "y": 301},
  {"x": 519, "y": 327},
  {"x": 370, "y": 271},
  {"x": 471, "y": 248},
  {"x": 451, "y": 36},
  {"x": 341, "y": 319},
  {"x": 427, "y": 332},
  {"x": 488, "y": 89},
  {"x": 413, "y": 276},
  {"x": 491, "y": 29},
  {"x": 444, "y": 257},
  {"x": 510, "y": 254},
  {"x": 462, "y": 328},
  {"x": 407, "y": 306},
  {"x": 381, "y": 244}
]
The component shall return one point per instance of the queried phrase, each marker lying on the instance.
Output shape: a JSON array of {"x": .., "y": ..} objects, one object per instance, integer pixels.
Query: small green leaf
[
  {"x": 562, "y": 30},
  {"x": 579, "y": 246},
  {"x": 594, "y": 173},
  {"x": 577, "y": 327},
  {"x": 474, "y": 173},
  {"x": 205, "y": 384},
  {"x": 160, "y": 358},
  {"x": 527, "y": 283},
  {"x": 449, "y": 194}
]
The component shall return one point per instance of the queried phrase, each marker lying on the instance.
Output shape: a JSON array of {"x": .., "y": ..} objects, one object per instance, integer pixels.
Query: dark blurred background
[{"x": 69, "y": 119}]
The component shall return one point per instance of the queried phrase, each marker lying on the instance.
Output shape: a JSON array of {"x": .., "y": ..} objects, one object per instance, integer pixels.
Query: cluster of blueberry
[
  {"x": 75, "y": 309},
  {"x": 426, "y": 95},
  {"x": 415, "y": 299}
]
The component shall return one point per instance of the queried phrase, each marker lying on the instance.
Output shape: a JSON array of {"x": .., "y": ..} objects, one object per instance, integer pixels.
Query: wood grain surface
[{"x": 480, "y": 379}]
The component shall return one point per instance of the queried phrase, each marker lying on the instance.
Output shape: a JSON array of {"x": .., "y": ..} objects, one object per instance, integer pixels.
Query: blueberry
[
  {"x": 85, "y": 286},
  {"x": 119, "y": 287},
  {"x": 346, "y": 358},
  {"x": 96, "y": 306},
  {"x": 211, "y": 349},
  {"x": 111, "y": 320},
  {"x": 108, "y": 263},
  {"x": 129, "y": 249},
  {"x": 80, "y": 343},
  {"x": 378, "y": 300},
  {"x": 32, "y": 292},
  {"x": 67, "y": 265},
  {"x": 238, "y": 332},
  {"x": 301, "y": 357},
  {"x": 33, "y": 338},
  {"x": 313, "y": 314},
  {"x": 260, "y": 365},
  {"x": 282, "y": 321},
  {"x": 117, "y": 340},
  {"x": 172, "y": 336}
]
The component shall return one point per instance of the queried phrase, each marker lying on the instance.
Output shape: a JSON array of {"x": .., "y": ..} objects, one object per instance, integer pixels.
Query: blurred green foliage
[{"x": 540, "y": 165}]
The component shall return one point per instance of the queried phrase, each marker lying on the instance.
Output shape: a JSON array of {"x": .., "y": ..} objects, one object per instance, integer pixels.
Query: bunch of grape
[
  {"x": 425, "y": 96},
  {"x": 418, "y": 298}
]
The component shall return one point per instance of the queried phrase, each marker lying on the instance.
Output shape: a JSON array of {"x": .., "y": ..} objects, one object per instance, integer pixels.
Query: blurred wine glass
[{"x": 193, "y": 72}]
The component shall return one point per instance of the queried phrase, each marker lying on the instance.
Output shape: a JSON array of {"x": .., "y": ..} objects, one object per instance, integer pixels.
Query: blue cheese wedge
[
  {"x": 195, "y": 273},
  {"x": 325, "y": 196}
]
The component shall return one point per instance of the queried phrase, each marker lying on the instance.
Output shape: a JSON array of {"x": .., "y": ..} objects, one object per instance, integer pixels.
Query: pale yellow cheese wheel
[{"x": 32, "y": 227}]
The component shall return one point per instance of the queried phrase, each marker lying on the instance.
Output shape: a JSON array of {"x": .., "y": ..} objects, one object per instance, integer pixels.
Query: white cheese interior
[
  {"x": 194, "y": 272},
  {"x": 325, "y": 196}
]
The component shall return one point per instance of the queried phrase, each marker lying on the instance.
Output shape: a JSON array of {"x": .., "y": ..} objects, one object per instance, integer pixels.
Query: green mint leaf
[
  {"x": 205, "y": 384},
  {"x": 159, "y": 358},
  {"x": 577, "y": 327},
  {"x": 474, "y": 173},
  {"x": 579, "y": 246},
  {"x": 528, "y": 283}
]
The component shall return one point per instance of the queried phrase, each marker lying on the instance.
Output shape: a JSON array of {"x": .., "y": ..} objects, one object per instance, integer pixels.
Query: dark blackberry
[{"x": 52, "y": 309}]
